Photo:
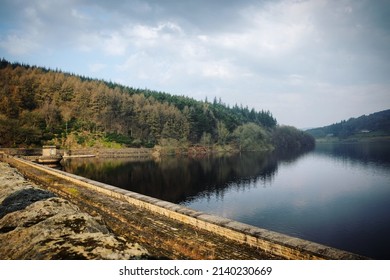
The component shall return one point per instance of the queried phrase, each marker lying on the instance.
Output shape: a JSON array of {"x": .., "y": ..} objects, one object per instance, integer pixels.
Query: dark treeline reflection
[
  {"x": 366, "y": 153},
  {"x": 180, "y": 179}
]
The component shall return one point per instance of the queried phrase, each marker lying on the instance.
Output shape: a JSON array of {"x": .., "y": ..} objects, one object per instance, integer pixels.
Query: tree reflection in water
[{"x": 180, "y": 179}]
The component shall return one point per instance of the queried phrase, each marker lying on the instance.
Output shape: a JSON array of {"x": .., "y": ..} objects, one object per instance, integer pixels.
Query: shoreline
[
  {"x": 332, "y": 140},
  {"x": 155, "y": 152}
]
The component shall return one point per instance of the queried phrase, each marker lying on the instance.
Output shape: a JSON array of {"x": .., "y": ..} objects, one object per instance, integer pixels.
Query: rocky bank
[{"x": 36, "y": 224}]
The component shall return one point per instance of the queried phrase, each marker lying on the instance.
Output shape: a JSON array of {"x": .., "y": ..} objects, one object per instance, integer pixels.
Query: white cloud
[
  {"x": 115, "y": 44},
  {"x": 75, "y": 13},
  {"x": 295, "y": 79},
  {"x": 19, "y": 45},
  {"x": 279, "y": 27},
  {"x": 218, "y": 69},
  {"x": 97, "y": 67},
  {"x": 142, "y": 32}
]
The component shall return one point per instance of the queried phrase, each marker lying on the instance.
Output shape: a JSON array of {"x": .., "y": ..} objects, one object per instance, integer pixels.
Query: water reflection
[
  {"x": 366, "y": 153},
  {"x": 175, "y": 179},
  {"x": 337, "y": 195},
  {"x": 181, "y": 179}
]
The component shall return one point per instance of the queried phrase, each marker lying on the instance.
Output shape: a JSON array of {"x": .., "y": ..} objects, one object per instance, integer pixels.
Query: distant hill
[{"x": 376, "y": 124}]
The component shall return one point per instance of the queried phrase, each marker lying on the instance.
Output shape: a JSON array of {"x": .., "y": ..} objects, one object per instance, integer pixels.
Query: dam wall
[{"x": 275, "y": 243}]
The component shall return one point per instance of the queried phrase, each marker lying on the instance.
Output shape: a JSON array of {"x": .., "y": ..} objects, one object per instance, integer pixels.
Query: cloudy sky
[{"x": 311, "y": 63}]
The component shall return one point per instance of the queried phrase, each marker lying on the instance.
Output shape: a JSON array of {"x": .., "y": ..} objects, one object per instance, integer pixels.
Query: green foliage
[
  {"x": 205, "y": 140},
  {"x": 18, "y": 132},
  {"x": 137, "y": 143},
  {"x": 172, "y": 146},
  {"x": 251, "y": 137},
  {"x": 222, "y": 133},
  {"x": 289, "y": 138},
  {"x": 118, "y": 138}
]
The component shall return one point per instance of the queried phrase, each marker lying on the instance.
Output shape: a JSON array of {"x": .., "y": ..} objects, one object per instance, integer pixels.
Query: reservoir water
[{"x": 337, "y": 195}]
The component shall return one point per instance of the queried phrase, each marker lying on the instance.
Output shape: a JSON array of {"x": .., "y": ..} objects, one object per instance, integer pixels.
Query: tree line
[
  {"x": 40, "y": 105},
  {"x": 376, "y": 124}
]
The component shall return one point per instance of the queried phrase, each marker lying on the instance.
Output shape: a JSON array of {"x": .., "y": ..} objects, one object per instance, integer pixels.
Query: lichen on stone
[{"x": 35, "y": 224}]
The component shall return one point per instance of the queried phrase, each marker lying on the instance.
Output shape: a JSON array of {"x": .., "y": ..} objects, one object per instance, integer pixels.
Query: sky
[{"x": 310, "y": 63}]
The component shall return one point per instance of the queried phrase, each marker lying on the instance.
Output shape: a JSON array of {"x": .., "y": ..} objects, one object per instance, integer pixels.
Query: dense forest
[
  {"x": 376, "y": 124},
  {"x": 42, "y": 106}
]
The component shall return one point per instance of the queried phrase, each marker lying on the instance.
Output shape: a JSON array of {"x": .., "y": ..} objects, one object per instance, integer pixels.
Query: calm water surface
[{"x": 337, "y": 195}]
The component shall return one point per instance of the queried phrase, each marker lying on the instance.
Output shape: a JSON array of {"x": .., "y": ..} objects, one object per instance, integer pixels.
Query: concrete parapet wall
[
  {"x": 275, "y": 243},
  {"x": 21, "y": 151},
  {"x": 124, "y": 152}
]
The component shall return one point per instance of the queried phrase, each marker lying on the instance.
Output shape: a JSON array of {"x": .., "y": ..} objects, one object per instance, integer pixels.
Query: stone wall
[
  {"x": 36, "y": 224},
  {"x": 118, "y": 153}
]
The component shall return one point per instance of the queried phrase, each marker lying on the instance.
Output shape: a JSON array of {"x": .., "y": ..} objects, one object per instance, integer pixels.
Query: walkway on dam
[{"x": 163, "y": 237}]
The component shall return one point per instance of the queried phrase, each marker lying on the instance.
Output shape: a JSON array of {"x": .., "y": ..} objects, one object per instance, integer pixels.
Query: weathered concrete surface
[{"x": 35, "y": 224}]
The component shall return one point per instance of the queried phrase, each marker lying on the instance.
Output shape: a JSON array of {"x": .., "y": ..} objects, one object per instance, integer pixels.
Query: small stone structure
[{"x": 49, "y": 151}]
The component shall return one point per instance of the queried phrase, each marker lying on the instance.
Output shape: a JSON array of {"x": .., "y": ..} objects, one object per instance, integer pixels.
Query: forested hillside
[
  {"x": 40, "y": 106},
  {"x": 376, "y": 124}
]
